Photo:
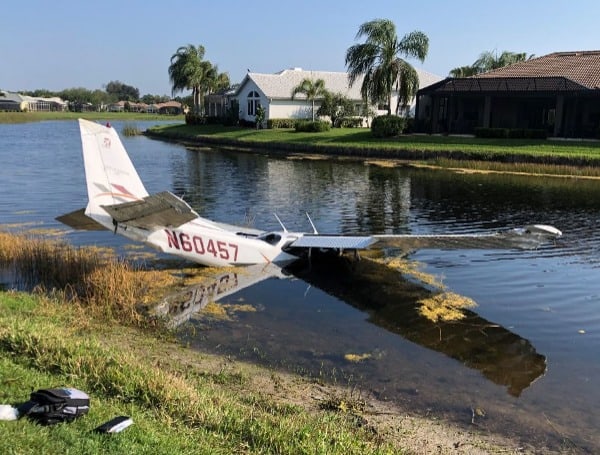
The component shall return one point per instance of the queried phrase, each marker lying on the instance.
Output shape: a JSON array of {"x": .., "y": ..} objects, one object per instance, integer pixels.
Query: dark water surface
[{"x": 528, "y": 353}]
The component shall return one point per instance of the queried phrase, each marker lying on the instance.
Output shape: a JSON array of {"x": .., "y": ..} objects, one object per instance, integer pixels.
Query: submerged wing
[
  {"x": 527, "y": 237},
  {"x": 523, "y": 238},
  {"x": 161, "y": 209}
]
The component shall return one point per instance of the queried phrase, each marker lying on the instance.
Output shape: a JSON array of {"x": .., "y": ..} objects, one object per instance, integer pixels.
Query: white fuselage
[{"x": 202, "y": 242}]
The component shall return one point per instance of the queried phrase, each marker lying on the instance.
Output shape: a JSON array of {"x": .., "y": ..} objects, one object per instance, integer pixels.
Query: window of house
[{"x": 253, "y": 102}]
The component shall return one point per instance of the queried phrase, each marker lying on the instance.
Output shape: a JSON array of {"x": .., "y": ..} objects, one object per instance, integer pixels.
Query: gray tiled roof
[
  {"x": 582, "y": 67},
  {"x": 281, "y": 84}
]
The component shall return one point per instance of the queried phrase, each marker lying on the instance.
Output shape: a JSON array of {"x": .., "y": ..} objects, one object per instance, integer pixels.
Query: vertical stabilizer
[{"x": 110, "y": 175}]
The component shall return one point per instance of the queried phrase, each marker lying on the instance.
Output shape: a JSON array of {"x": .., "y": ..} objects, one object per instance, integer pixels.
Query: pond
[{"x": 526, "y": 355}]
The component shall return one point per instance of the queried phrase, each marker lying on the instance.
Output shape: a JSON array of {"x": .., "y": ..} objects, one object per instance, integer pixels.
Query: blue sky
[{"x": 67, "y": 43}]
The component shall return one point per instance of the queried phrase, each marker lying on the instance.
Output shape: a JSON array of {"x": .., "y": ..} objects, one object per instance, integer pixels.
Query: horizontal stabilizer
[
  {"x": 157, "y": 210},
  {"x": 337, "y": 242},
  {"x": 79, "y": 220}
]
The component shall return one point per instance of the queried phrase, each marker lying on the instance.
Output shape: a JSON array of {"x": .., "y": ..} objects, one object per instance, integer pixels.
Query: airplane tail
[
  {"x": 110, "y": 175},
  {"x": 117, "y": 196},
  {"x": 108, "y": 170}
]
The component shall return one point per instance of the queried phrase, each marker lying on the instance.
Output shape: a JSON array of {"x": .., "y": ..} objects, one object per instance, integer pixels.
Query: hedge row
[
  {"x": 275, "y": 123},
  {"x": 307, "y": 126}
]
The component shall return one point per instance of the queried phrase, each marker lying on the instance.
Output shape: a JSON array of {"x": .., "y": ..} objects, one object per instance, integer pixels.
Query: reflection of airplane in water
[
  {"x": 392, "y": 303},
  {"x": 180, "y": 306}
]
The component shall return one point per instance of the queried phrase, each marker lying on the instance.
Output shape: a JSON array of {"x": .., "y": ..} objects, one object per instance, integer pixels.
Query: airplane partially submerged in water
[{"x": 118, "y": 201}]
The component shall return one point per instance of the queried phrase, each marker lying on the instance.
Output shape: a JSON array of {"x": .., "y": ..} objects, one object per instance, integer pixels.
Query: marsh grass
[
  {"x": 130, "y": 129},
  {"x": 88, "y": 276}
]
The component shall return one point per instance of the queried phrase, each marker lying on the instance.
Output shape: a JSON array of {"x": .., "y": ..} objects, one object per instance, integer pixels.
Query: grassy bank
[
  {"x": 24, "y": 117},
  {"x": 82, "y": 327},
  {"x": 180, "y": 402},
  {"x": 419, "y": 148}
]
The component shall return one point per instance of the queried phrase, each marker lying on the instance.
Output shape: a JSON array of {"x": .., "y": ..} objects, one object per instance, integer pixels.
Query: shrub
[
  {"x": 307, "y": 126},
  {"x": 387, "y": 126},
  {"x": 276, "y": 123},
  {"x": 192, "y": 118},
  {"x": 350, "y": 122}
]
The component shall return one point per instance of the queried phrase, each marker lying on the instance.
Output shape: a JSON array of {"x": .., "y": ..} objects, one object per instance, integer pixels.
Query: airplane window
[{"x": 271, "y": 238}]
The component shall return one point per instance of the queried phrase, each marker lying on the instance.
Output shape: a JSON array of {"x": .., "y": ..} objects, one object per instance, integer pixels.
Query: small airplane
[{"x": 119, "y": 202}]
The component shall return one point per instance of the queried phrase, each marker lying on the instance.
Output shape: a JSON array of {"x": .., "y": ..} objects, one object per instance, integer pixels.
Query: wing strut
[{"x": 312, "y": 224}]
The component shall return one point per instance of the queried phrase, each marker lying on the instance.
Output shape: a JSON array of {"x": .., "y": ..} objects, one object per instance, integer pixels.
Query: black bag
[{"x": 50, "y": 406}]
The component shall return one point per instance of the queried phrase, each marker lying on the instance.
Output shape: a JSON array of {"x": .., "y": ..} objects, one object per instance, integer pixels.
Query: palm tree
[
  {"x": 464, "y": 71},
  {"x": 378, "y": 61},
  {"x": 312, "y": 90},
  {"x": 188, "y": 71},
  {"x": 489, "y": 60}
]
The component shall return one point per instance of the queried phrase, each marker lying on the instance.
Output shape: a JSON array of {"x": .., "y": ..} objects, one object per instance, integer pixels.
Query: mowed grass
[{"x": 180, "y": 401}]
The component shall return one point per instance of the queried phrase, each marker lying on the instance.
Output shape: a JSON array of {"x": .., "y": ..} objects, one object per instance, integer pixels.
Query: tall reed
[{"x": 87, "y": 275}]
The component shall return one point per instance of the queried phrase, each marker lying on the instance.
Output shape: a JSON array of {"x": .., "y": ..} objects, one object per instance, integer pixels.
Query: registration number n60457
[{"x": 201, "y": 245}]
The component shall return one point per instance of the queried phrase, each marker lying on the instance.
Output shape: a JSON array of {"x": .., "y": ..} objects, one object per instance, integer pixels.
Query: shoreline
[{"x": 435, "y": 156}]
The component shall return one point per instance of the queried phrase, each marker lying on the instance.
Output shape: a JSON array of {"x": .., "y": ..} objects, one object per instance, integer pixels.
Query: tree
[
  {"x": 336, "y": 106},
  {"x": 464, "y": 71},
  {"x": 377, "y": 59},
  {"x": 189, "y": 71},
  {"x": 488, "y": 61},
  {"x": 312, "y": 90},
  {"x": 122, "y": 92}
]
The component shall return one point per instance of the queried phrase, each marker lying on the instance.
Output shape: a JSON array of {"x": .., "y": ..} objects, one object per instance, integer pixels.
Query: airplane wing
[
  {"x": 161, "y": 209},
  {"x": 528, "y": 237}
]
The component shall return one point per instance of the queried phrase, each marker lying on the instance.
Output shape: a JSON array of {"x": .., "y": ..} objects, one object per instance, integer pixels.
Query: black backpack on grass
[{"x": 50, "y": 406}]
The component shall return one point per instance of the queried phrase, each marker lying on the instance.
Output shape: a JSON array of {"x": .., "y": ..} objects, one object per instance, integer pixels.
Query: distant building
[
  {"x": 10, "y": 101},
  {"x": 274, "y": 92},
  {"x": 558, "y": 92},
  {"x": 170, "y": 107}
]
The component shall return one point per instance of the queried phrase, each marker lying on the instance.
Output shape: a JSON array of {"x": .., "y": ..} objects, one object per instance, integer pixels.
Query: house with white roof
[{"x": 274, "y": 92}]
